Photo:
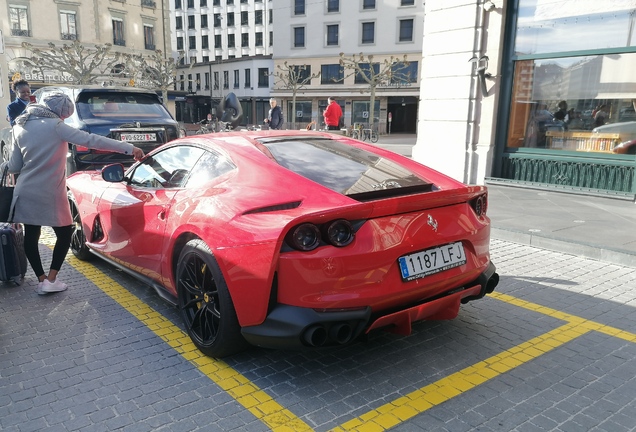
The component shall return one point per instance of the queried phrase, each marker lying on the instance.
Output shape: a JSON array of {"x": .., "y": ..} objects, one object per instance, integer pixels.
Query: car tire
[
  {"x": 78, "y": 239},
  {"x": 205, "y": 303}
]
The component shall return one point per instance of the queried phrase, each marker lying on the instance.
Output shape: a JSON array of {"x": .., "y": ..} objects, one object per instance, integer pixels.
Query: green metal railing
[{"x": 589, "y": 172}]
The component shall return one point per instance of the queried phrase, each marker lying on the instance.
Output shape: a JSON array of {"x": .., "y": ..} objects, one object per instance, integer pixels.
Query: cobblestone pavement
[{"x": 554, "y": 348}]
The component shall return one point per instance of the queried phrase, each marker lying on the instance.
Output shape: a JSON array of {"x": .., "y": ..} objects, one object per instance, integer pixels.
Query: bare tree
[
  {"x": 294, "y": 78},
  {"x": 391, "y": 70},
  {"x": 155, "y": 71},
  {"x": 84, "y": 64}
]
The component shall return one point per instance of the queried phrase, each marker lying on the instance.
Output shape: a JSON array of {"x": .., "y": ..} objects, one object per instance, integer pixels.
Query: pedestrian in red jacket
[{"x": 332, "y": 115}]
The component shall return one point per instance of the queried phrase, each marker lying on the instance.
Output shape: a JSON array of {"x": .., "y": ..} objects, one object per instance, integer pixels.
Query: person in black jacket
[
  {"x": 23, "y": 93},
  {"x": 275, "y": 116}
]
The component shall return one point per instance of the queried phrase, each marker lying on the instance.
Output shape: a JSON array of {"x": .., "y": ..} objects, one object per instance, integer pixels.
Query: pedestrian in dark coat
[
  {"x": 275, "y": 117},
  {"x": 22, "y": 92},
  {"x": 41, "y": 139}
]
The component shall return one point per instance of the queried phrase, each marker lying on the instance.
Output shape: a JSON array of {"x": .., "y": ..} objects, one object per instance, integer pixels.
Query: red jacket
[{"x": 332, "y": 114}]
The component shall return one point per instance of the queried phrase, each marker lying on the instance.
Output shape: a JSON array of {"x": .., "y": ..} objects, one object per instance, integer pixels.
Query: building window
[
  {"x": 368, "y": 4},
  {"x": 333, "y": 5},
  {"x": 226, "y": 79},
  {"x": 302, "y": 74},
  {"x": 204, "y": 21},
  {"x": 331, "y": 74},
  {"x": 180, "y": 43},
  {"x": 230, "y": 41},
  {"x": 263, "y": 77},
  {"x": 368, "y": 33},
  {"x": 404, "y": 73},
  {"x": 198, "y": 81},
  {"x": 299, "y": 37},
  {"x": 118, "y": 32},
  {"x": 408, "y": 2},
  {"x": 205, "y": 59},
  {"x": 230, "y": 2},
  {"x": 366, "y": 71},
  {"x": 248, "y": 78},
  {"x": 216, "y": 2},
  {"x": 216, "y": 80},
  {"x": 236, "y": 78},
  {"x": 205, "y": 43},
  {"x": 406, "y": 30},
  {"x": 203, "y": 3},
  {"x": 191, "y": 22},
  {"x": 244, "y": 18},
  {"x": 181, "y": 82},
  {"x": 230, "y": 19},
  {"x": 149, "y": 37},
  {"x": 299, "y": 7},
  {"x": 217, "y": 41},
  {"x": 270, "y": 15},
  {"x": 67, "y": 21},
  {"x": 332, "y": 35},
  {"x": 245, "y": 40},
  {"x": 177, "y": 4},
  {"x": 258, "y": 17},
  {"x": 179, "y": 23},
  {"x": 271, "y": 38},
  {"x": 19, "y": 21},
  {"x": 192, "y": 42},
  {"x": 259, "y": 39},
  {"x": 190, "y": 4},
  {"x": 217, "y": 20}
]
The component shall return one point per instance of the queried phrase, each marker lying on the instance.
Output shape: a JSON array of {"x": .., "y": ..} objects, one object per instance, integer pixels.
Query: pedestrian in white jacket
[{"x": 40, "y": 145}]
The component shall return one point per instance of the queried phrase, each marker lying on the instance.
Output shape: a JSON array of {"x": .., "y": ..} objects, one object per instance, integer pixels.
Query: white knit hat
[{"x": 60, "y": 104}]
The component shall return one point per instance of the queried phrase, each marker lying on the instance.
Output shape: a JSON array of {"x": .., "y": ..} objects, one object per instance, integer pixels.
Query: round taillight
[
  {"x": 304, "y": 237},
  {"x": 479, "y": 206},
  {"x": 339, "y": 233}
]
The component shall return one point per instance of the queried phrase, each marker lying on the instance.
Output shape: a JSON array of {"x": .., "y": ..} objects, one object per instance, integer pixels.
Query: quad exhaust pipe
[{"x": 319, "y": 335}]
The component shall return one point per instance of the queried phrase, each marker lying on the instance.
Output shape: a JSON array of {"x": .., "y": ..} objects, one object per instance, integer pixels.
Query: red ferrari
[{"x": 286, "y": 239}]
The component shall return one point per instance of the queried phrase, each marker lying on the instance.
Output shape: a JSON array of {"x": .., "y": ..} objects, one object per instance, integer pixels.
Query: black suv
[{"x": 122, "y": 113}]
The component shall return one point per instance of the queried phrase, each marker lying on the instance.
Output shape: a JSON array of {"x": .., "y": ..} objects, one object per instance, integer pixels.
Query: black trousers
[
  {"x": 332, "y": 127},
  {"x": 62, "y": 245}
]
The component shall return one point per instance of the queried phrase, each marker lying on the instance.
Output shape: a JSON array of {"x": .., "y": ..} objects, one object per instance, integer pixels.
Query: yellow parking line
[
  {"x": 418, "y": 401},
  {"x": 259, "y": 403},
  {"x": 279, "y": 419}
]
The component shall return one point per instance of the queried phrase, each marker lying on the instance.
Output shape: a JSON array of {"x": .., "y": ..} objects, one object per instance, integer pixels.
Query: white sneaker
[
  {"x": 38, "y": 289},
  {"x": 52, "y": 287}
]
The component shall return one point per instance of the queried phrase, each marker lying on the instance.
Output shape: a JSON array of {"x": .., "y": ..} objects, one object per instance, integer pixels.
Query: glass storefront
[
  {"x": 571, "y": 118},
  {"x": 575, "y": 103}
]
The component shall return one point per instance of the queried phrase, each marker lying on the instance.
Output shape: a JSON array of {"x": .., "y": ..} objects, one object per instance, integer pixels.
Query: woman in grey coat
[{"x": 39, "y": 157}]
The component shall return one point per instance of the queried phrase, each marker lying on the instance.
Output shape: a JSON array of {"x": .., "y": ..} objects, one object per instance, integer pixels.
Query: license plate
[
  {"x": 433, "y": 260},
  {"x": 138, "y": 137}
]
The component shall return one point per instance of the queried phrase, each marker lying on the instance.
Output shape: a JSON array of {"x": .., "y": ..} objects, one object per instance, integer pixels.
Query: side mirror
[{"x": 113, "y": 173}]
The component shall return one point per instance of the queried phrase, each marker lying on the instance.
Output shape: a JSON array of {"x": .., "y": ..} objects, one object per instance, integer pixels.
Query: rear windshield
[
  {"x": 98, "y": 105},
  {"x": 354, "y": 172}
]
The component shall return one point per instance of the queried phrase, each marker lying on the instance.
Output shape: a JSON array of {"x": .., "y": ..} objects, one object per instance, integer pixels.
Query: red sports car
[{"x": 287, "y": 239}]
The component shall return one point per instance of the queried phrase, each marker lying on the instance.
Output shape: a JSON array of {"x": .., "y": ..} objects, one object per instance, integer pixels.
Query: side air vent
[{"x": 277, "y": 207}]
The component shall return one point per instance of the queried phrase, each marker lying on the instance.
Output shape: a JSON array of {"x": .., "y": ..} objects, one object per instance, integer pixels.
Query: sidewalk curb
[{"x": 591, "y": 251}]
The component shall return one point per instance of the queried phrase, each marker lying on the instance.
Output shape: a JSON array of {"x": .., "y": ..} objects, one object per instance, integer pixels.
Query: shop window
[
  {"x": 366, "y": 72},
  {"x": 361, "y": 110},
  {"x": 575, "y": 104},
  {"x": 549, "y": 29},
  {"x": 302, "y": 113}
]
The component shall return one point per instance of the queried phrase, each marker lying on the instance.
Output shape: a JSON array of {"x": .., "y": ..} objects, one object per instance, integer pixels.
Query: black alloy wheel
[
  {"x": 78, "y": 239},
  {"x": 205, "y": 303}
]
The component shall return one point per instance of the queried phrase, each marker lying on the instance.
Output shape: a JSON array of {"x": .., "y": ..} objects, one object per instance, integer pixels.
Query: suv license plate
[
  {"x": 433, "y": 260},
  {"x": 138, "y": 137}
]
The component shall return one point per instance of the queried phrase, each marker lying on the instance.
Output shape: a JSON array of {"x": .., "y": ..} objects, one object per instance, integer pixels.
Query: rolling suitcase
[{"x": 13, "y": 262}]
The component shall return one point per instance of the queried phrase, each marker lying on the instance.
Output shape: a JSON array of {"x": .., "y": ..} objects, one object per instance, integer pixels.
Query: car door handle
[{"x": 162, "y": 214}]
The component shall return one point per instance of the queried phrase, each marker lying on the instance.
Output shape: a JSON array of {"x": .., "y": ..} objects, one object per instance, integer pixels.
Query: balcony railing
[
  {"x": 119, "y": 42},
  {"x": 69, "y": 36},
  {"x": 149, "y": 3},
  {"x": 20, "y": 32}
]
